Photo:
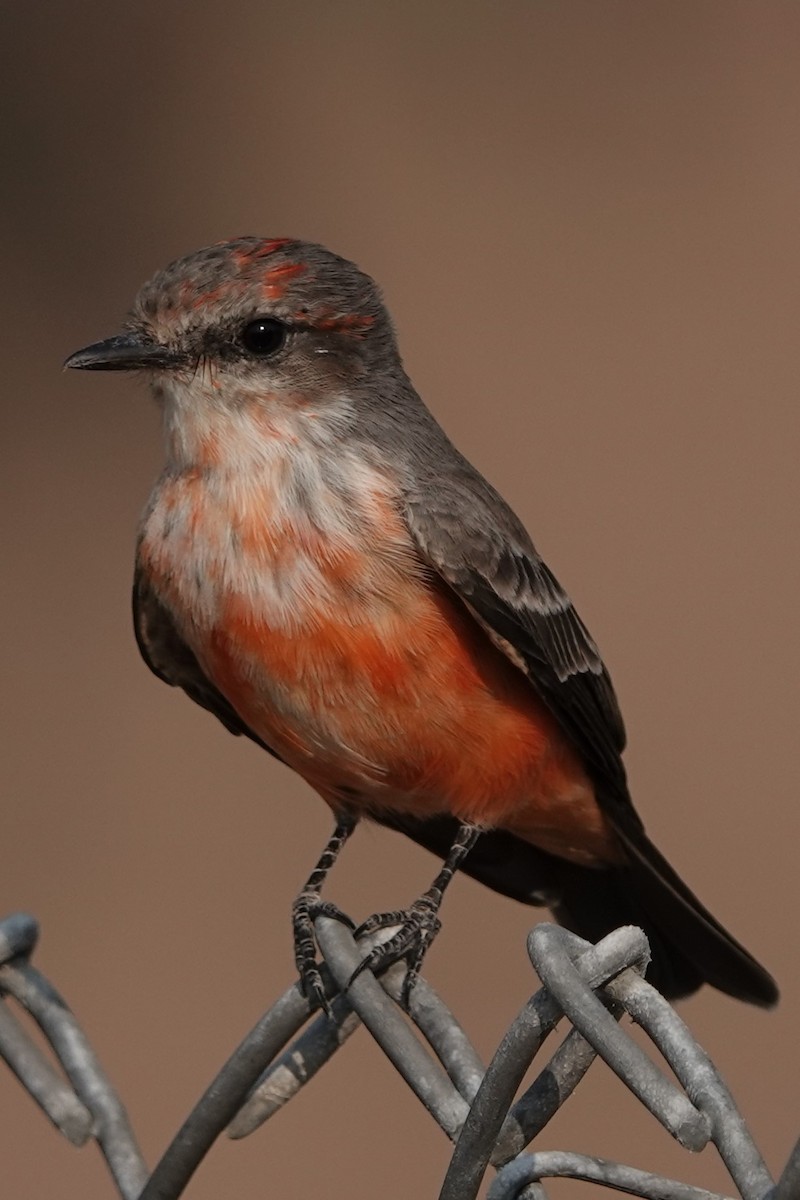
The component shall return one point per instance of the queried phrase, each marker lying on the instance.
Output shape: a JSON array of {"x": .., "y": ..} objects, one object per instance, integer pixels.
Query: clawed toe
[
  {"x": 419, "y": 925},
  {"x": 307, "y": 907}
]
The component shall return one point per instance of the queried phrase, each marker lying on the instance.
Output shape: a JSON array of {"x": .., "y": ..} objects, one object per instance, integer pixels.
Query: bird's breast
[
  {"x": 301, "y": 596},
  {"x": 309, "y": 609},
  {"x": 278, "y": 545}
]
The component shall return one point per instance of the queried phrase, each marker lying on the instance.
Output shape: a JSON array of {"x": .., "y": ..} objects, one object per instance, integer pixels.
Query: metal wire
[
  {"x": 92, "y": 1107},
  {"x": 588, "y": 986}
]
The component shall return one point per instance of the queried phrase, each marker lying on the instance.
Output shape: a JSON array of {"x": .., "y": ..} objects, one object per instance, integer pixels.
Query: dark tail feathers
[{"x": 689, "y": 947}]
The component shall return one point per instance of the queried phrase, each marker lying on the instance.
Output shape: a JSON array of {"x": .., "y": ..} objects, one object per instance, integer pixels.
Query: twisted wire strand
[{"x": 478, "y": 1108}]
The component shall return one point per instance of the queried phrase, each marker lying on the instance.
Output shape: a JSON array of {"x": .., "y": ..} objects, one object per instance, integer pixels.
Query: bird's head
[{"x": 252, "y": 316}]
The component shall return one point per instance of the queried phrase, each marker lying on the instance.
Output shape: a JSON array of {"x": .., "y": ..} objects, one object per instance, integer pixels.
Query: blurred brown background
[{"x": 584, "y": 216}]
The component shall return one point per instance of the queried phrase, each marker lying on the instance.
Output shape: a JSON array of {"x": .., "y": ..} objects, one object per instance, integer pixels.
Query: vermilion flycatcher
[{"x": 321, "y": 569}]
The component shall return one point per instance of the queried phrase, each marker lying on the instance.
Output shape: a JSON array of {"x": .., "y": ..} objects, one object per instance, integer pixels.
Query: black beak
[{"x": 126, "y": 352}]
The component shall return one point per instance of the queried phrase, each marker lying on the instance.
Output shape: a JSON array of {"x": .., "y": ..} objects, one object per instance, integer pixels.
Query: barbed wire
[{"x": 590, "y": 986}]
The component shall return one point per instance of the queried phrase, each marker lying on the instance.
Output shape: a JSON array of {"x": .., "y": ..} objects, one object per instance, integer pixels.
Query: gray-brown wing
[
  {"x": 469, "y": 536},
  {"x": 168, "y": 657}
]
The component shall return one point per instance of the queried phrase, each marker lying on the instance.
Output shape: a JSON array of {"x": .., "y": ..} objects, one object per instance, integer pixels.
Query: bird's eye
[{"x": 263, "y": 336}]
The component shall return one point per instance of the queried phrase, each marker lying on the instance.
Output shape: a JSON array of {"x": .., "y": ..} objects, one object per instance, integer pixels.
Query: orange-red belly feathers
[{"x": 325, "y": 632}]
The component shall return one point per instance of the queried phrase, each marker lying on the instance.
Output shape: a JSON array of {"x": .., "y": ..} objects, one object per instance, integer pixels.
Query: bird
[{"x": 321, "y": 569}]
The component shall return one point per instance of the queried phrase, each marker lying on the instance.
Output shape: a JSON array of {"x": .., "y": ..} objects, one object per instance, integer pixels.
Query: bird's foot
[
  {"x": 419, "y": 925},
  {"x": 305, "y": 910}
]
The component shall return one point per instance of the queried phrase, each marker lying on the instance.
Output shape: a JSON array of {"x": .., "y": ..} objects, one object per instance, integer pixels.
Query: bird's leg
[
  {"x": 420, "y": 923},
  {"x": 307, "y": 906}
]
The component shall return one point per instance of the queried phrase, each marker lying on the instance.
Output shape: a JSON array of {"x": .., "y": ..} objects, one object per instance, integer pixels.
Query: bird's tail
[{"x": 689, "y": 946}]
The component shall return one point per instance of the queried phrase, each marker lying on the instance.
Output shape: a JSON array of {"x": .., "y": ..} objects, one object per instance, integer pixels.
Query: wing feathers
[
  {"x": 168, "y": 657},
  {"x": 518, "y": 600}
]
